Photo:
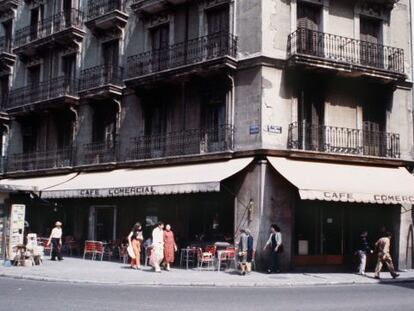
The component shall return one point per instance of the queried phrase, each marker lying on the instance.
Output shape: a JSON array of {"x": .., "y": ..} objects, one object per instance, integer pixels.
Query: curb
[{"x": 200, "y": 285}]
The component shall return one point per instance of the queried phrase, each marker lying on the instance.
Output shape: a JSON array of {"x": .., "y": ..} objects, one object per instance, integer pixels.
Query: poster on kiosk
[{"x": 16, "y": 232}]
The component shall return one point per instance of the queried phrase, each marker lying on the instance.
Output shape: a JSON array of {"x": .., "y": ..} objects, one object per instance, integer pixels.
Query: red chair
[
  {"x": 205, "y": 258},
  {"x": 89, "y": 249},
  {"x": 99, "y": 250},
  {"x": 211, "y": 249}
]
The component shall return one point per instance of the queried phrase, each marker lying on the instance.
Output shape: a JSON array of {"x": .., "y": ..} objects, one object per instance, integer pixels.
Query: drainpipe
[
  {"x": 232, "y": 101},
  {"x": 74, "y": 131}
]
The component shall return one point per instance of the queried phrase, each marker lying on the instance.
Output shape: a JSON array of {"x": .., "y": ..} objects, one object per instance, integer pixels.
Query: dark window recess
[
  {"x": 4, "y": 91},
  {"x": 29, "y": 135},
  {"x": 69, "y": 66},
  {"x": 110, "y": 51},
  {"x": 34, "y": 75},
  {"x": 7, "y": 26},
  {"x": 160, "y": 43},
  {"x": 64, "y": 128},
  {"x": 218, "y": 20},
  {"x": 372, "y": 53},
  {"x": 104, "y": 125}
]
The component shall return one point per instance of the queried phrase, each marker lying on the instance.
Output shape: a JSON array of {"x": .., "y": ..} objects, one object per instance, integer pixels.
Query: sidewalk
[{"x": 77, "y": 270}]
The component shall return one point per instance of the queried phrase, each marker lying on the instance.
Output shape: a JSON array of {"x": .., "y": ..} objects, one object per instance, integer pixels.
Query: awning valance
[
  {"x": 347, "y": 183},
  {"x": 205, "y": 177},
  {"x": 34, "y": 184}
]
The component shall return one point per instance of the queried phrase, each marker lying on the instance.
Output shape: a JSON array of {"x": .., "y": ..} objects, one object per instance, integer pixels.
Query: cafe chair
[{"x": 205, "y": 259}]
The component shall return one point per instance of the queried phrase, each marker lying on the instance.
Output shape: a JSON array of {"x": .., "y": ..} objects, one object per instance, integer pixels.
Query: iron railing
[
  {"x": 49, "y": 26},
  {"x": 42, "y": 91},
  {"x": 48, "y": 159},
  {"x": 345, "y": 50},
  {"x": 98, "y": 8},
  {"x": 5, "y": 44},
  {"x": 185, "y": 53},
  {"x": 101, "y": 75},
  {"x": 331, "y": 139},
  {"x": 98, "y": 152},
  {"x": 186, "y": 142}
]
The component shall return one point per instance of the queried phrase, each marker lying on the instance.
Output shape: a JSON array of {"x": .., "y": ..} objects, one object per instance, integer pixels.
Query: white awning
[
  {"x": 34, "y": 184},
  {"x": 347, "y": 183},
  {"x": 204, "y": 177}
]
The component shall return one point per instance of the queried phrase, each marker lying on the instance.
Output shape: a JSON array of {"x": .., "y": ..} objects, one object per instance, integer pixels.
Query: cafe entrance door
[{"x": 102, "y": 222}]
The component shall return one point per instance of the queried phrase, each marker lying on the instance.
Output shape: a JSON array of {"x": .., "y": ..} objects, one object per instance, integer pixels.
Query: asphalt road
[{"x": 23, "y": 295}]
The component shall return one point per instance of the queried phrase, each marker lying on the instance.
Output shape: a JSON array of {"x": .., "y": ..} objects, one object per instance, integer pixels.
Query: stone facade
[{"x": 165, "y": 82}]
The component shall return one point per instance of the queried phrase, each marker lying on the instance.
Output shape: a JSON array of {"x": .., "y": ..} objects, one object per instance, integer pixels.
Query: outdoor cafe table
[{"x": 186, "y": 254}]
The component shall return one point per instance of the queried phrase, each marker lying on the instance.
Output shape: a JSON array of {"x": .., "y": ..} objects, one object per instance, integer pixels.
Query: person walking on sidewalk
[
  {"x": 245, "y": 251},
  {"x": 55, "y": 240},
  {"x": 275, "y": 243},
  {"x": 135, "y": 239},
  {"x": 363, "y": 250},
  {"x": 383, "y": 248},
  {"x": 169, "y": 247},
  {"x": 158, "y": 246}
]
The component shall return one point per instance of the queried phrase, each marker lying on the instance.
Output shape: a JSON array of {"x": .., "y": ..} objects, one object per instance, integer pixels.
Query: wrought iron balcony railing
[
  {"x": 345, "y": 50},
  {"x": 39, "y": 160},
  {"x": 5, "y": 45},
  {"x": 100, "y": 76},
  {"x": 98, "y": 8},
  {"x": 185, "y": 53},
  {"x": 186, "y": 142},
  {"x": 331, "y": 139},
  {"x": 98, "y": 152},
  {"x": 42, "y": 91},
  {"x": 49, "y": 26}
]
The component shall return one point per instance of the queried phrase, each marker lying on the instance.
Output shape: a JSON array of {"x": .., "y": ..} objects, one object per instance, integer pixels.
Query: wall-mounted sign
[
  {"x": 275, "y": 129},
  {"x": 254, "y": 129}
]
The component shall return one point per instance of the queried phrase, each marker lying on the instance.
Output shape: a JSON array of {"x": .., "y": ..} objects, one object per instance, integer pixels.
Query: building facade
[{"x": 107, "y": 104}]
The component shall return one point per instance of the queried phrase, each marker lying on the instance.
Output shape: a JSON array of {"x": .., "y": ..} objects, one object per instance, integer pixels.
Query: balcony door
[
  {"x": 37, "y": 16},
  {"x": 67, "y": 12},
  {"x": 110, "y": 53},
  {"x": 4, "y": 91},
  {"x": 155, "y": 128},
  {"x": 69, "y": 73},
  {"x": 310, "y": 40},
  {"x": 160, "y": 37},
  {"x": 311, "y": 117},
  {"x": 371, "y": 52},
  {"x": 7, "y": 27},
  {"x": 374, "y": 115},
  {"x": 218, "y": 28},
  {"x": 33, "y": 80},
  {"x": 214, "y": 129}
]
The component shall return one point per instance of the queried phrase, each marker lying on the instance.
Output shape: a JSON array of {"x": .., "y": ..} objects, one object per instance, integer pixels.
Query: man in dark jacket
[{"x": 363, "y": 250}]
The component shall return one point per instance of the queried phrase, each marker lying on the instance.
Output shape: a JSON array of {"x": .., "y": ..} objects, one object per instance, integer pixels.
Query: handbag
[
  {"x": 130, "y": 251},
  {"x": 280, "y": 249}
]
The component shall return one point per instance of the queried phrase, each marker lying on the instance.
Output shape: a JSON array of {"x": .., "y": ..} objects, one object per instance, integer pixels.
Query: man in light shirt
[
  {"x": 158, "y": 245},
  {"x": 56, "y": 240},
  {"x": 384, "y": 256}
]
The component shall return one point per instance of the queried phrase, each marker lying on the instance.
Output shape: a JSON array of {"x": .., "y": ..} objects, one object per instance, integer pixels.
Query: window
[
  {"x": 36, "y": 16},
  {"x": 110, "y": 51},
  {"x": 69, "y": 71},
  {"x": 104, "y": 125}
]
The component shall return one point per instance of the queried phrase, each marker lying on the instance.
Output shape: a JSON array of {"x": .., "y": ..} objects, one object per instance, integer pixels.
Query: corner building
[{"x": 213, "y": 115}]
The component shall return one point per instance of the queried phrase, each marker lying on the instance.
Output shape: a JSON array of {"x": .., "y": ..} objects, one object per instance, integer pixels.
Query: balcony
[
  {"x": 57, "y": 91},
  {"x": 211, "y": 52},
  {"x": 187, "y": 142},
  {"x": 323, "y": 51},
  {"x": 6, "y": 56},
  {"x": 341, "y": 140},
  {"x": 41, "y": 160},
  {"x": 98, "y": 153},
  {"x": 7, "y": 6},
  {"x": 101, "y": 81},
  {"x": 106, "y": 14},
  {"x": 153, "y": 6},
  {"x": 58, "y": 31}
]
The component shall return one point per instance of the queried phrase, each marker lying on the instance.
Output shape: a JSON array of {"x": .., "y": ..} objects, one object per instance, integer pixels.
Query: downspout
[
  {"x": 232, "y": 101},
  {"x": 74, "y": 131}
]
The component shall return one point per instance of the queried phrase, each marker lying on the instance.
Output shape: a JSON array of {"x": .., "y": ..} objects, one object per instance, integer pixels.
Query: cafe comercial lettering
[
  {"x": 120, "y": 191},
  {"x": 394, "y": 198}
]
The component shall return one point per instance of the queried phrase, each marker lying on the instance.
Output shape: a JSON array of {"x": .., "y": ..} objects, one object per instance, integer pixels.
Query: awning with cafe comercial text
[
  {"x": 346, "y": 182},
  {"x": 205, "y": 177}
]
